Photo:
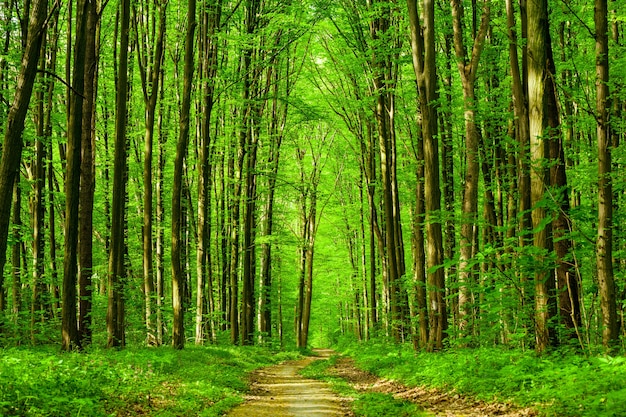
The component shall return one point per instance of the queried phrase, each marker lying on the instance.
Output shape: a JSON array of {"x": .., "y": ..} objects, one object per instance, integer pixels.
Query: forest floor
[
  {"x": 433, "y": 401},
  {"x": 280, "y": 391}
]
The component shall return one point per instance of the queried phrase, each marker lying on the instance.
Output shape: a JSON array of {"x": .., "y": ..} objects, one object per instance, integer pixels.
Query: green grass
[
  {"x": 558, "y": 384},
  {"x": 365, "y": 404},
  {"x": 199, "y": 381}
]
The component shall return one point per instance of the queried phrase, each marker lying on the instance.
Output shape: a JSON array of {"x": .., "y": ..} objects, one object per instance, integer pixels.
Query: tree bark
[
  {"x": 604, "y": 243},
  {"x": 423, "y": 53},
  {"x": 150, "y": 74},
  {"x": 87, "y": 175},
  {"x": 116, "y": 335},
  {"x": 211, "y": 17},
  {"x": 538, "y": 39},
  {"x": 70, "y": 339},
  {"x": 178, "y": 276},
  {"x": 13, "y": 142},
  {"x": 468, "y": 69}
]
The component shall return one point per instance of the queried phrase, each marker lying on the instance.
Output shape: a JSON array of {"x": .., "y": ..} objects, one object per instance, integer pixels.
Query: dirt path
[{"x": 280, "y": 391}]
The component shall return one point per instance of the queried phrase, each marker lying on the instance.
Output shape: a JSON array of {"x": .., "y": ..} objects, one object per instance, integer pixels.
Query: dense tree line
[{"x": 268, "y": 171}]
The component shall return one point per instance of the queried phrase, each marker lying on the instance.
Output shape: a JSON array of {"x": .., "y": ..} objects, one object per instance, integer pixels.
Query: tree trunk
[
  {"x": 87, "y": 175},
  {"x": 211, "y": 16},
  {"x": 520, "y": 110},
  {"x": 14, "y": 124},
  {"x": 423, "y": 53},
  {"x": 538, "y": 39},
  {"x": 384, "y": 79},
  {"x": 150, "y": 73},
  {"x": 469, "y": 211},
  {"x": 117, "y": 267},
  {"x": 178, "y": 275},
  {"x": 160, "y": 217},
  {"x": 604, "y": 244}
]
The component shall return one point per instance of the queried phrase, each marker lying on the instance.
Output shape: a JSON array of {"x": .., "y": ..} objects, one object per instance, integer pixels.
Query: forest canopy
[{"x": 291, "y": 173}]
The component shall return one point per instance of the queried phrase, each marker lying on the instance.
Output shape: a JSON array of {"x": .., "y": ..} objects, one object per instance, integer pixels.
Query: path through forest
[{"x": 280, "y": 391}]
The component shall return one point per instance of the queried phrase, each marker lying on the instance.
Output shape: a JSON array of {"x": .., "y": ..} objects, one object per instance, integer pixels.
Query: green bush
[
  {"x": 202, "y": 381},
  {"x": 562, "y": 383}
]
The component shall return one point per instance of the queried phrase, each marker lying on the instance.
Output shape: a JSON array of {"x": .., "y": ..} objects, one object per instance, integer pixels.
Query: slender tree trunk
[
  {"x": 87, "y": 175},
  {"x": 72, "y": 184},
  {"x": 211, "y": 16},
  {"x": 150, "y": 73},
  {"x": 16, "y": 266},
  {"x": 38, "y": 177},
  {"x": 522, "y": 135},
  {"x": 117, "y": 266},
  {"x": 383, "y": 81},
  {"x": 468, "y": 70},
  {"x": 423, "y": 53},
  {"x": 178, "y": 275},
  {"x": 14, "y": 124},
  {"x": 538, "y": 39},
  {"x": 604, "y": 244},
  {"x": 160, "y": 217}
]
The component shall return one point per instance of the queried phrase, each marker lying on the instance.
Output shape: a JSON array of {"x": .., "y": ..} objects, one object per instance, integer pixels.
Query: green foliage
[
  {"x": 562, "y": 383},
  {"x": 377, "y": 404},
  {"x": 202, "y": 381}
]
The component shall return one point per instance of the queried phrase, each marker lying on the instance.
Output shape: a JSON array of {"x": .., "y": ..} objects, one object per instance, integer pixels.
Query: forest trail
[{"x": 280, "y": 391}]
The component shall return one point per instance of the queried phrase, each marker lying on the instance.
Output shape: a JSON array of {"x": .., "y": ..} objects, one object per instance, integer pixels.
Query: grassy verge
[
  {"x": 199, "y": 381},
  {"x": 365, "y": 404},
  {"x": 557, "y": 384}
]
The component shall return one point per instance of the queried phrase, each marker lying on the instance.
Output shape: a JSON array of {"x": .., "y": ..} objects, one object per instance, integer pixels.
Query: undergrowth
[
  {"x": 562, "y": 383},
  {"x": 199, "y": 381},
  {"x": 365, "y": 404}
]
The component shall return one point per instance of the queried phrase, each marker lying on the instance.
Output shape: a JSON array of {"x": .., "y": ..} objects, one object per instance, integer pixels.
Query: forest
[{"x": 427, "y": 177}]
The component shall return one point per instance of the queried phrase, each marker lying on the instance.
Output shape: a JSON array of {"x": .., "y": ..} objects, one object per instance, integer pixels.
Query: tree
[
  {"x": 308, "y": 153},
  {"x": 14, "y": 126},
  {"x": 178, "y": 325},
  {"x": 538, "y": 78},
  {"x": 468, "y": 69},
  {"x": 117, "y": 267},
  {"x": 87, "y": 174},
  {"x": 210, "y": 23},
  {"x": 384, "y": 79},
  {"x": 72, "y": 182},
  {"x": 150, "y": 61},
  {"x": 423, "y": 53},
  {"x": 604, "y": 243}
]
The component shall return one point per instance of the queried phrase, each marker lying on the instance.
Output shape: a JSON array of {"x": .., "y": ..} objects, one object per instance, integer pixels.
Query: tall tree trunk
[
  {"x": 383, "y": 81},
  {"x": 604, "y": 244},
  {"x": 423, "y": 53},
  {"x": 38, "y": 177},
  {"x": 308, "y": 214},
  {"x": 538, "y": 74},
  {"x": 522, "y": 135},
  {"x": 70, "y": 338},
  {"x": 468, "y": 70},
  {"x": 150, "y": 73},
  {"x": 116, "y": 336},
  {"x": 178, "y": 275},
  {"x": 160, "y": 217},
  {"x": 87, "y": 175},
  {"x": 211, "y": 17},
  {"x": 14, "y": 125},
  {"x": 16, "y": 266}
]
